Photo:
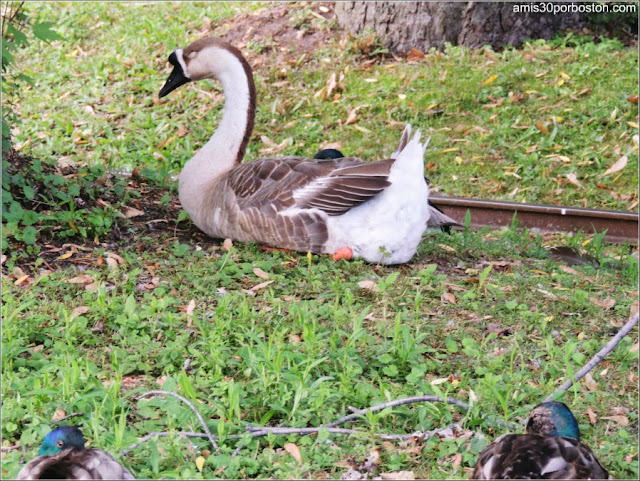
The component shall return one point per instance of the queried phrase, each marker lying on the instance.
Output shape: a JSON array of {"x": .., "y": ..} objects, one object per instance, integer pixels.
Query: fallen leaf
[
  {"x": 65, "y": 256},
  {"x": 200, "y": 463},
  {"x": 294, "y": 339},
  {"x": 112, "y": 263},
  {"x": 457, "y": 460},
  {"x": 58, "y": 415},
  {"x": 399, "y": 475},
  {"x": 592, "y": 416},
  {"x": 262, "y": 285},
  {"x": 573, "y": 179},
  {"x": 438, "y": 381},
  {"x": 591, "y": 384},
  {"x": 369, "y": 285},
  {"x": 448, "y": 297},
  {"x": 633, "y": 310},
  {"x": 623, "y": 420},
  {"x": 568, "y": 270},
  {"x": 634, "y": 348},
  {"x": 189, "y": 311},
  {"x": 260, "y": 273},
  {"x": 81, "y": 279},
  {"x": 607, "y": 303},
  {"x": 633, "y": 99},
  {"x": 542, "y": 128},
  {"x": 131, "y": 212},
  {"x": 294, "y": 451},
  {"x": 78, "y": 311},
  {"x": 617, "y": 166},
  {"x": 490, "y": 80},
  {"x": 227, "y": 244}
]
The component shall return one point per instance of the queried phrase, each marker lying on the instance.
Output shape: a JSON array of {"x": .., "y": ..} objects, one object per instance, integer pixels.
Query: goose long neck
[{"x": 227, "y": 146}]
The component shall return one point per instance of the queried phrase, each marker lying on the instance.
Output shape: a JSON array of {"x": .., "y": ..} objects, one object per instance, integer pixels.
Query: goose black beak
[{"x": 175, "y": 80}]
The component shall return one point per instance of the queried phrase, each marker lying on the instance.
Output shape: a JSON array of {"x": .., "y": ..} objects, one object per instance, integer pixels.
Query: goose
[
  {"x": 437, "y": 218},
  {"x": 550, "y": 449},
  {"x": 376, "y": 211},
  {"x": 63, "y": 455}
]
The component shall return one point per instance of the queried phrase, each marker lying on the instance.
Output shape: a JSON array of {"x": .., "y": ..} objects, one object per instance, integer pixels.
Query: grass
[{"x": 301, "y": 350}]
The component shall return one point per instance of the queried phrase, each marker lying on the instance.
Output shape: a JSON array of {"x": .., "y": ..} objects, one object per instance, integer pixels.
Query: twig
[
  {"x": 398, "y": 402},
  {"x": 595, "y": 360},
  {"x": 72, "y": 415},
  {"x": 210, "y": 436},
  {"x": 155, "y": 434}
]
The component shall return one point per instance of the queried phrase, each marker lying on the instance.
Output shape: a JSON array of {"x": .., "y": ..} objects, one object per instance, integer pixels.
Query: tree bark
[{"x": 402, "y": 26}]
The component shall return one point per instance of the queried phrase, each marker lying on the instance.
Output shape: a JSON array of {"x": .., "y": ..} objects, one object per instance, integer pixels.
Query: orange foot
[{"x": 343, "y": 253}]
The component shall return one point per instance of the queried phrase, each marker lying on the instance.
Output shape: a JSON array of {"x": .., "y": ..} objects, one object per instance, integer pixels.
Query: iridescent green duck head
[
  {"x": 62, "y": 438},
  {"x": 553, "y": 419}
]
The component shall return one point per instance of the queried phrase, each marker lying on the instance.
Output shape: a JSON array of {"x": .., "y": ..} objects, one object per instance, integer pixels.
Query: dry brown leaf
[
  {"x": 78, "y": 311},
  {"x": 37, "y": 348},
  {"x": 568, "y": 270},
  {"x": 592, "y": 416},
  {"x": 294, "y": 339},
  {"x": 573, "y": 178},
  {"x": 457, "y": 460},
  {"x": 115, "y": 256},
  {"x": 227, "y": 244},
  {"x": 633, "y": 99},
  {"x": 262, "y": 285},
  {"x": 294, "y": 451},
  {"x": 634, "y": 348},
  {"x": 448, "y": 297},
  {"x": 58, "y": 415},
  {"x": 190, "y": 308},
  {"x": 112, "y": 263},
  {"x": 398, "y": 475},
  {"x": 81, "y": 279},
  {"x": 260, "y": 273},
  {"x": 132, "y": 212},
  {"x": 542, "y": 128},
  {"x": 182, "y": 130},
  {"x": 591, "y": 384},
  {"x": 617, "y": 166},
  {"x": 623, "y": 420},
  {"x": 607, "y": 303},
  {"x": 369, "y": 285}
]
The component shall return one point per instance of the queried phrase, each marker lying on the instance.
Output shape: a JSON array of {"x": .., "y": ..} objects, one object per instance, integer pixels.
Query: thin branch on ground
[
  {"x": 72, "y": 415},
  {"x": 210, "y": 436},
  {"x": 258, "y": 431},
  {"x": 595, "y": 360}
]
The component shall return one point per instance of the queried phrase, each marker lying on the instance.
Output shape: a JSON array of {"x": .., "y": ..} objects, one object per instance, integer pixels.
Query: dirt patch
[{"x": 281, "y": 32}]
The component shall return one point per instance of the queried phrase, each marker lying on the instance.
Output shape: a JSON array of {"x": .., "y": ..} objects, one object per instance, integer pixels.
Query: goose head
[
  {"x": 206, "y": 58},
  {"x": 553, "y": 419}
]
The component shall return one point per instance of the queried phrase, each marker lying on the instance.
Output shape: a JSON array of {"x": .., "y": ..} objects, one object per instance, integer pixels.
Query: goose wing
[
  {"x": 75, "y": 464},
  {"x": 331, "y": 185},
  {"x": 531, "y": 456}
]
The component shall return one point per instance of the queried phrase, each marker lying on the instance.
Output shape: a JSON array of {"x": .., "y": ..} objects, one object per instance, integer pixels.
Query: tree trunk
[{"x": 421, "y": 25}]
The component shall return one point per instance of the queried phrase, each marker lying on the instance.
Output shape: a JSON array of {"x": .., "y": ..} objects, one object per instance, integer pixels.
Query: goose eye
[{"x": 59, "y": 443}]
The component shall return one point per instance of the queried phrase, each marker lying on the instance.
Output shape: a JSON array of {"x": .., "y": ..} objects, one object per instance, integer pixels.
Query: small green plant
[{"x": 16, "y": 31}]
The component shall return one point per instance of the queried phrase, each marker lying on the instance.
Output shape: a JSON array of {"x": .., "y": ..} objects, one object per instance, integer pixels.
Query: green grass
[{"x": 303, "y": 349}]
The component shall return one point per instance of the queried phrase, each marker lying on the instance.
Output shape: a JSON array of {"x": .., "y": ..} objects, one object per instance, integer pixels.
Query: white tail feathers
[{"x": 404, "y": 140}]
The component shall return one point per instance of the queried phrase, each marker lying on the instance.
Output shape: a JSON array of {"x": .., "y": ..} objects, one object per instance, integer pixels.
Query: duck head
[
  {"x": 553, "y": 419},
  {"x": 62, "y": 438}
]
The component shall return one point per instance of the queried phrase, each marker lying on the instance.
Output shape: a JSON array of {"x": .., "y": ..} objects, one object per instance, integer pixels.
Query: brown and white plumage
[
  {"x": 550, "y": 449},
  {"x": 73, "y": 464},
  {"x": 63, "y": 456},
  {"x": 377, "y": 209}
]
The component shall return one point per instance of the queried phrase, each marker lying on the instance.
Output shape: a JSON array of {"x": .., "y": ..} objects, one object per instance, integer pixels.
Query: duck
[
  {"x": 437, "y": 218},
  {"x": 549, "y": 449},
  {"x": 63, "y": 455},
  {"x": 376, "y": 211}
]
